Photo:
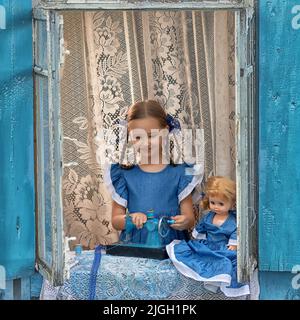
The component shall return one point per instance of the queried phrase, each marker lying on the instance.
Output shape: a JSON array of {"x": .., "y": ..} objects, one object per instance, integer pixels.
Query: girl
[
  {"x": 212, "y": 257},
  {"x": 164, "y": 189}
]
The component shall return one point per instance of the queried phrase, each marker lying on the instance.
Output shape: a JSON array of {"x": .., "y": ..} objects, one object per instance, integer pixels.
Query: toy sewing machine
[{"x": 155, "y": 228}]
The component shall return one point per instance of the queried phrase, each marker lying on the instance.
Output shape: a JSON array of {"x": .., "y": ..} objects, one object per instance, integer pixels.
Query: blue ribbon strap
[{"x": 94, "y": 271}]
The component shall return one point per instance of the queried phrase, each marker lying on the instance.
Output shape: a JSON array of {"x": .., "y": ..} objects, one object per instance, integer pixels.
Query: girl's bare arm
[
  {"x": 186, "y": 219},
  {"x": 118, "y": 216}
]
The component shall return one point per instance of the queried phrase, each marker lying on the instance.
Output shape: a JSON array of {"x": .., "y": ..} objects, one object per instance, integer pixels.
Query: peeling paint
[
  {"x": 17, "y": 223},
  {"x": 279, "y": 131}
]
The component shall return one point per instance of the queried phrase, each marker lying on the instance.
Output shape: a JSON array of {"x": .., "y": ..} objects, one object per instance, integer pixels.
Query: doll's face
[
  {"x": 220, "y": 205},
  {"x": 147, "y": 135}
]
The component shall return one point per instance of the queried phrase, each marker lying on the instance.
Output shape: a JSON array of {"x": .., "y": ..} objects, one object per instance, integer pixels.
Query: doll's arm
[
  {"x": 232, "y": 248},
  {"x": 186, "y": 219},
  {"x": 232, "y": 243},
  {"x": 118, "y": 216},
  {"x": 199, "y": 231}
]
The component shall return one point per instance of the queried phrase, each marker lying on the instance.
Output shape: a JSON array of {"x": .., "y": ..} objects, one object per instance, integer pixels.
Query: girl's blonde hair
[{"x": 218, "y": 186}]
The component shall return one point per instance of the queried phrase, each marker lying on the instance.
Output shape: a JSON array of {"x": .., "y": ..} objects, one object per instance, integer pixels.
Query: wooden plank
[
  {"x": 57, "y": 53},
  {"x": 41, "y": 29},
  {"x": 9, "y": 290},
  {"x": 17, "y": 236},
  {"x": 39, "y": 14},
  {"x": 17, "y": 289},
  {"x": 36, "y": 282},
  {"x": 25, "y": 288},
  {"x": 147, "y": 5},
  {"x": 279, "y": 286},
  {"x": 246, "y": 156},
  {"x": 279, "y": 99}
]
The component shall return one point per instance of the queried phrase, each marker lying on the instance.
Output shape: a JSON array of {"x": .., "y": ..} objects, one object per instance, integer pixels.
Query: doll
[{"x": 211, "y": 256}]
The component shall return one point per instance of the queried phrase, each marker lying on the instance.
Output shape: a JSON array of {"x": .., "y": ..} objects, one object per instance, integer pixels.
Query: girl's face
[
  {"x": 220, "y": 205},
  {"x": 147, "y": 135}
]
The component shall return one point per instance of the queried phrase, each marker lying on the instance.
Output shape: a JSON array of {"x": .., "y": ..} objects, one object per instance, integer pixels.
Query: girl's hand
[
  {"x": 234, "y": 248},
  {"x": 182, "y": 222},
  {"x": 138, "y": 219}
]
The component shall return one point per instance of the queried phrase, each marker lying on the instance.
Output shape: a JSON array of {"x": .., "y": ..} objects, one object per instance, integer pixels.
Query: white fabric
[
  {"x": 235, "y": 292},
  {"x": 212, "y": 287},
  {"x": 232, "y": 242},
  {"x": 188, "y": 272},
  {"x": 225, "y": 279},
  {"x": 197, "y": 235},
  {"x": 107, "y": 180},
  {"x": 197, "y": 179}
]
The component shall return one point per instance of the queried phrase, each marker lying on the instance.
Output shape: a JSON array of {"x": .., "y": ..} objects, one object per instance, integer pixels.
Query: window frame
[
  {"x": 48, "y": 70},
  {"x": 246, "y": 143},
  {"x": 246, "y": 111},
  {"x": 146, "y": 5}
]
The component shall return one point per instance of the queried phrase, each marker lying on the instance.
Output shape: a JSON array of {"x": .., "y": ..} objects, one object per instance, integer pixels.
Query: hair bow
[{"x": 172, "y": 123}]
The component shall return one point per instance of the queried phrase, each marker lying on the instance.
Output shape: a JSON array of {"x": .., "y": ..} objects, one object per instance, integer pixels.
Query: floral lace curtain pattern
[{"x": 184, "y": 59}]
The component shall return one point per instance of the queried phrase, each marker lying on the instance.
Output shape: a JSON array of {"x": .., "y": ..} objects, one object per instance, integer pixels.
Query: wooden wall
[
  {"x": 279, "y": 152},
  {"x": 17, "y": 223}
]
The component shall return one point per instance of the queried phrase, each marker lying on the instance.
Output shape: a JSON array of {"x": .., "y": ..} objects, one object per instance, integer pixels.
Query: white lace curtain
[{"x": 184, "y": 59}]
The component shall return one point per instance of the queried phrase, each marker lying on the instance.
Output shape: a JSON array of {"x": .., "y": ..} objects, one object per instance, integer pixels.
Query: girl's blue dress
[
  {"x": 207, "y": 258},
  {"x": 162, "y": 192}
]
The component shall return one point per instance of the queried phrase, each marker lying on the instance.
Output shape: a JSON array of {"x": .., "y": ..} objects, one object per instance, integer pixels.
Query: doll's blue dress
[
  {"x": 162, "y": 192},
  {"x": 207, "y": 258}
]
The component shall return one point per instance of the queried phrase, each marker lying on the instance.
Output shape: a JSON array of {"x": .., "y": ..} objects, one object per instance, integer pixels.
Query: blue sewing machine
[{"x": 156, "y": 228}]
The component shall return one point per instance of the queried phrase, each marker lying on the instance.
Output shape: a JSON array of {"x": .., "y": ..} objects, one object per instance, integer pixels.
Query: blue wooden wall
[
  {"x": 17, "y": 222},
  {"x": 279, "y": 155}
]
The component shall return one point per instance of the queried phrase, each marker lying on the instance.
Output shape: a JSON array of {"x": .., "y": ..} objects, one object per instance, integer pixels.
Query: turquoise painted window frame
[
  {"x": 47, "y": 28},
  {"x": 145, "y": 5},
  {"x": 246, "y": 114}
]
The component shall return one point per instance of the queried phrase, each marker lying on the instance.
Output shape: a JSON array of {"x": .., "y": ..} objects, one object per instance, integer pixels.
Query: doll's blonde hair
[{"x": 218, "y": 186}]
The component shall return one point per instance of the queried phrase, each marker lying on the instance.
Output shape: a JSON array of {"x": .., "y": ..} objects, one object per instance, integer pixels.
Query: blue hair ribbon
[{"x": 173, "y": 123}]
